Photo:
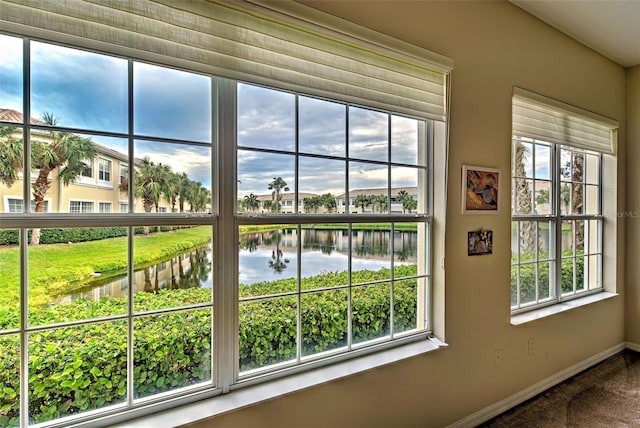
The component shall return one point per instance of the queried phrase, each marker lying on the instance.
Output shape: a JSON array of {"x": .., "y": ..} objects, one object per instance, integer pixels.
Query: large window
[
  {"x": 557, "y": 210},
  {"x": 315, "y": 206}
]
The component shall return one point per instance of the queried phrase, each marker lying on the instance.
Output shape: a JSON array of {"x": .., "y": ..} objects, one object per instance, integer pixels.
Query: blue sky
[{"x": 90, "y": 91}]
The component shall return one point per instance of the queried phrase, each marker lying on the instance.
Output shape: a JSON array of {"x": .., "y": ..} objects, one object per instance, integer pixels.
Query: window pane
[
  {"x": 11, "y": 169},
  {"x": 266, "y": 118},
  {"x": 9, "y": 279},
  {"x": 371, "y": 253},
  {"x": 405, "y": 304},
  {"x": 77, "y": 275},
  {"x": 172, "y": 266},
  {"x": 171, "y": 351},
  {"x": 523, "y": 161},
  {"x": 522, "y": 196},
  {"x": 320, "y": 181},
  {"x": 268, "y": 331},
  {"x": 322, "y": 127},
  {"x": 368, "y": 185},
  {"x": 592, "y": 169},
  {"x": 10, "y": 381},
  {"x": 270, "y": 177},
  {"x": 542, "y": 197},
  {"x": 407, "y": 141},
  {"x": 78, "y": 89},
  {"x": 368, "y": 134},
  {"x": 370, "y": 312},
  {"x": 409, "y": 249},
  {"x": 11, "y": 78},
  {"x": 543, "y": 162},
  {"x": 77, "y": 369},
  {"x": 408, "y": 190},
  {"x": 171, "y": 103},
  {"x": 324, "y": 321},
  {"x": 172, "y": 177},
  {"x": 591, "y": 201},
  {"x": 325, "y": 256},
  {"x": 267, "y": 260}
]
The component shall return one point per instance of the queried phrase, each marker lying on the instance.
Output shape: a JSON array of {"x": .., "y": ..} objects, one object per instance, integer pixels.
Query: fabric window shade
[
  {"x": 537, "y": 116},
  {"x": 284, "y": 44}
]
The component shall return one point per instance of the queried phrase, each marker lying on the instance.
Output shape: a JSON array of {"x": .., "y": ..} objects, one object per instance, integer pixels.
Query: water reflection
[
  {"x": 191, "y": 269},
  {"x": 322, "y": 251}
]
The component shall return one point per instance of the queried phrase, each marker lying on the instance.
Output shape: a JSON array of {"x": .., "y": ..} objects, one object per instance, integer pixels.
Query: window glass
[
  {"x": 10, "y": 367},
  {"x": 322, "y": 127},
  {"x": 170, "y": 103},
  {"x": 10, "y": 279},
  {"x": 11, "y": 79},
  {"x": 77, "y": 264},
  {"x": 171, "y": 259},
  {"x": 266, "y": 118},
  {"x": 271, "y": 177},
  {"x": 407, "y": 141},
  {"x": 172, "y": 177},
  {"x": 368, "y": 134},
  {"x": 78, "y": 89}
]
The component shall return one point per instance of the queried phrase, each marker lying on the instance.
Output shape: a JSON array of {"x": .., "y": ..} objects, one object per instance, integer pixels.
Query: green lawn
[{"x": 59, "y": 268}]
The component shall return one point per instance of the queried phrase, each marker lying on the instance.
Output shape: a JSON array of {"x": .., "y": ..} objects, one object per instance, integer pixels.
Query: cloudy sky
[{"x": 90, "y": 91}]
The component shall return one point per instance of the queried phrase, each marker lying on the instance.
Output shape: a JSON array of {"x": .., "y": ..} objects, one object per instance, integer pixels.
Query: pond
[{"x": 264, "y": 257}]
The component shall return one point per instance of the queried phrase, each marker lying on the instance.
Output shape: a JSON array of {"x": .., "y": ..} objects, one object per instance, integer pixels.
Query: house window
[
  {"x": 15, "y": 205},
  {"x": 150, "y": 273},
  {"x": 104, "y": 170},
  {"x": 345, "y": 261},
  {"x": 80, "y": 207},
  {"x": 557, "y": 190},
  {"x": 104, "y": 207}
]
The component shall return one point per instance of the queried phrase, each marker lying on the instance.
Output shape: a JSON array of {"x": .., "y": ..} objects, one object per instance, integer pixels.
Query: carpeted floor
[{"x": 606, "y": 395}]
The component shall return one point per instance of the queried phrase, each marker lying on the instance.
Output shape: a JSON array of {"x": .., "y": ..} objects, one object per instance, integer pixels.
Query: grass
[{"x": 56, "y": 269}]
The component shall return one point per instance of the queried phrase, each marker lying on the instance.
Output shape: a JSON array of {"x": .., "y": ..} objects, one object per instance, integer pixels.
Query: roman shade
[
  {"x": 285, "y": 44},
  {"x": 544, "y": 118}
]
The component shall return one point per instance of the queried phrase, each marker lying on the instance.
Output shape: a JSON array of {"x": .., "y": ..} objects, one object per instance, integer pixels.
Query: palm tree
[
  {"x": 380, "y": 201},
  {"x": 149, "y": 183},
  {"x": 278, "y": 185},
  {"x": 11, "y": 155},
  {"x": 409, "y": 204},
  {"x": 171, "y": 189},
  {"x": 329, "y": 202},
  {"x": 522, "y": 194},
  {"x": 362, "y": 201},
  {"x": 401, "y": 197},
  {"x": 251, "y": 202},
  {"x": 201, "y": 198},
  {"x": 64, "y": 151}
]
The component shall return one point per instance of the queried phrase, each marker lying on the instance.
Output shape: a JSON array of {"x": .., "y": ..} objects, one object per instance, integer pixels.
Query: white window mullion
[{"x": 225, "y": 293}]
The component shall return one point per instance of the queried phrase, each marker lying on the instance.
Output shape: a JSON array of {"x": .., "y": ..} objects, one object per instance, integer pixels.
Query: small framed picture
[
  {"x": 480, "y": 243},
  {"x": 480, "y": 190}
]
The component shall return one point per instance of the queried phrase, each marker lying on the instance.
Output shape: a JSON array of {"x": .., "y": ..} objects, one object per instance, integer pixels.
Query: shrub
[{"x": 74, "y": 369}]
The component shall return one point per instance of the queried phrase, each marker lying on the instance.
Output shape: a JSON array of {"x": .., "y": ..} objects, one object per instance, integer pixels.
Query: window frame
[{"x": 556, "y": 219}]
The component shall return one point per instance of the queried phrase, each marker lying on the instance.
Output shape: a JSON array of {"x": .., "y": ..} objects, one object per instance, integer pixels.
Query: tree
[
  {"x": 251, "y": 202},
  {"x": 381, "y": 202},
  {"x": 408, "y": 202},
  {"x": 149, "y": 183},
  {"x": 201, "y": 197},
  {"x": 328, "y": 201},
  {"x": 362, "y": 201},
  {"x": 185, "y": 190},
  {"x": 11, "y": 155},
  {"x": 401, "y": 197},
  {"x": 278, "y": 185},
  {"x": 65, "y": 152},
  {"x": 523, "y": 198},
  {"x": 311, "y": 204}
]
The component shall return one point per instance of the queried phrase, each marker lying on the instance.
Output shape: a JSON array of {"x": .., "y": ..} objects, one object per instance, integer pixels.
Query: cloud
[
  {"x": 83, "y": 89},
  {"x": 171, "y": 103},
  {"x": 193, "y": 160},
  {"x": 11, "y": 73}
]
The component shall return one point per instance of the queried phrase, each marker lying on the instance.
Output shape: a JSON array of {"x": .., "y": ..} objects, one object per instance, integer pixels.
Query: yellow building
[{"x": 95, "y": 190}]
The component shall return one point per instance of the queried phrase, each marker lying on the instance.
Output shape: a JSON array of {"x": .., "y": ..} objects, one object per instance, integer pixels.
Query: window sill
[
  {"x": 547, "y": 311},
  {"x": 254, "y": 394}
]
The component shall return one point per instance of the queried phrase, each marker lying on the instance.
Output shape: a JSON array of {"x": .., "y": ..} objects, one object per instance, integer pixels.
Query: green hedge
[
  {"x": 60, "y": 236},
  {"x": 75, "y": 369},
  {"x": 528, "y": 278}
]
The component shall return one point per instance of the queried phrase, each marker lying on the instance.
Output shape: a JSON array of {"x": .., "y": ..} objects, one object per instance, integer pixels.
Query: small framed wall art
[
  {"x": 480, "y": 190},
  {"x": 480, "y": 242}
]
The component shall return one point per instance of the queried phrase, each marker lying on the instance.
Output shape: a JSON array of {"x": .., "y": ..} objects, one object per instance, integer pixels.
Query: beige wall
[
  {"x": 632, "y": 295},
  {"x": 495, "y": 46}
]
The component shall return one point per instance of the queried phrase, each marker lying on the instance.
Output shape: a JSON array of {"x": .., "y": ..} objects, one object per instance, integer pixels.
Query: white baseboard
[
  {"x": 502, "y": 406},
  {"x": 633, "y": 346}
]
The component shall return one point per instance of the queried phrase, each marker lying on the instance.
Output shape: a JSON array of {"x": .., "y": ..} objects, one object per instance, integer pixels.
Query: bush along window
[
  {"x": 557, "y": 218},
  {"x": 328, "y": 203}
]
